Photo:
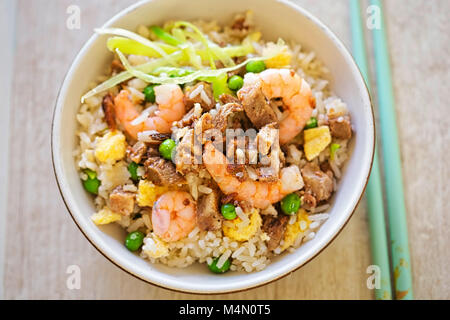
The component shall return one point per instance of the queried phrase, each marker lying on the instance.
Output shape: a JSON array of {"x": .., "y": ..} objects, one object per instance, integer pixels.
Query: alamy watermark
[
  {"x": 230, "y": 146},
  {"x": 73, "y": 21},
  {"x": 73, "y": 281},
  {"x": 374, "y": 280},
  {"x": 374, "y": 17}
]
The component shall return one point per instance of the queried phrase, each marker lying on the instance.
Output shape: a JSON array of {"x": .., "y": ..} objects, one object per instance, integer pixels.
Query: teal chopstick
[
  {"x": 401, "y": 262},
  {"x": 374, "y": 192}
]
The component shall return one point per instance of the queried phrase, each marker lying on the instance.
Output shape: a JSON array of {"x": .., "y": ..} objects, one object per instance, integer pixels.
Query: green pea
[
  {"x": 92, "y": 183},
  {"x": 255, "y": 66},
  {"x": 225, "y": 267},
  {"x": 132, "y": 169},
  {"x": 235, "y": 82},
  {"x": 166, "y": 148},
  {"x": 228, "y": 211},
  {"x": 149, "y": 93},
  {"x": 134, "y": 240},
  {"x": 290, "y": 204},
  {"x": 312, "y": 123}
]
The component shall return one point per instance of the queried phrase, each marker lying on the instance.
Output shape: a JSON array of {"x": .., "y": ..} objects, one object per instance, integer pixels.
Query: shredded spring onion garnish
[
  {"x": 165, "y": 36},
  {"x": 125, "y": 75},
  {"x": 188, "y": 48},
  {"x": 130, "y": 46},
  {"x": 162, "y": 79},
  {"x": 133, "y": 36},
  {"x": 202, "y": 39},
  {"x": 333, "y": 148},
  {"x": 178, "y": 57}
]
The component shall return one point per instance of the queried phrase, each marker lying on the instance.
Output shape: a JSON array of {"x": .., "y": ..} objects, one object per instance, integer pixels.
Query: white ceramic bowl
[{"x": 275, "y": 19}]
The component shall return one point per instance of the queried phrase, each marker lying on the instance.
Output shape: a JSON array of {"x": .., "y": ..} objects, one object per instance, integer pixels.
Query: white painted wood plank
[{"x": 7, "y": 34}]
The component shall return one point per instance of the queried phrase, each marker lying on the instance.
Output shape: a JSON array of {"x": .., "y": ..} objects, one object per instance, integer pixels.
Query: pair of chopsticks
[{"x": 401, "y": 266}]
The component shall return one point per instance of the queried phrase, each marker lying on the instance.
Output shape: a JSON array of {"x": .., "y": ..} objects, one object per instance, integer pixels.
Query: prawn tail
[{"x": 126, "y": 112}]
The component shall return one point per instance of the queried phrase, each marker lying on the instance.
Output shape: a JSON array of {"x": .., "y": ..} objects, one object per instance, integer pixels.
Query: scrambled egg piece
[
  {"x": 293, "y": 230},
  {"x": 105, "y": 216},
  {"x": 280, "y": 59},
  {"x": 111, "y": 147},
  {"x": 148, "y": 193},
  {"x": 154, "y": 247},
  {"x": 316, "y": 140},
  {"x": 243, "y": 233}
]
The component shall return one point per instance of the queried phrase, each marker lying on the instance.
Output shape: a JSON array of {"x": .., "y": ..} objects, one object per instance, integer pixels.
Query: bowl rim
[{"x": 56, "y": 159}]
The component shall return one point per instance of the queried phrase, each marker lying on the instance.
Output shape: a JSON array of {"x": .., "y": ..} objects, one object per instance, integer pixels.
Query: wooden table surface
[{"x": 39, "y": 239}]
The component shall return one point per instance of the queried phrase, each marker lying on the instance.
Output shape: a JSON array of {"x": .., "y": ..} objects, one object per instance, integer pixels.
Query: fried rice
[{"x": 203, "y": 246}]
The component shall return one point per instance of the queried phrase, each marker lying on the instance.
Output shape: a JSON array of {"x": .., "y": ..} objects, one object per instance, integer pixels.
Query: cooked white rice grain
[
  {"x": 314, "y": 224},
  {"x": 205, "y": 97},
  {"x": 310, "y": 236},
  {"x": 147, "y": 221},
  {"x": 136, "y": 224},
  {"x": 321, "y": 208},
  {"x": 238, "y": 252},
  {"x": 223, "y": 258},
  {"x": 194, "y": 232},
  {"x": 240, "y": 213},
  {"x": 196, "y": 92},
  {"x": 144, "y": 116},
  {"x": 204, "y": 189},
  {"x": 141, "y": 171},
  {"x": 260, "y": 266},
  {"x": 251, "y": 249},
  {"x": 298, "y": 241},
  {"x": 137, "y": 84},
  {"x": 130, "y": 188},
  {"x": 293, "y": 219},
  {"x": 136, "y": 60},
  {"x": 270, "y": 210},
  {"x": 335, "y": 168},
  {"x": 303, "y": 225},
  {"x": 136, "y": 95},
  {"x": 252, "y": 173},
  {"x": 294, "y": 155},
  {"x": 319, "y": 216}
]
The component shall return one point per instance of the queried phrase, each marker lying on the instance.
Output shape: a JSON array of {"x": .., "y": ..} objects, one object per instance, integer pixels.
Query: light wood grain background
[{"x": 41, "y": 240}]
